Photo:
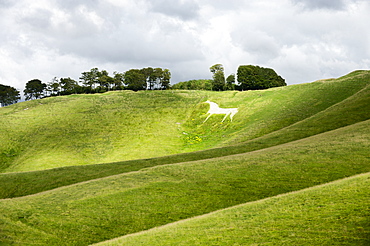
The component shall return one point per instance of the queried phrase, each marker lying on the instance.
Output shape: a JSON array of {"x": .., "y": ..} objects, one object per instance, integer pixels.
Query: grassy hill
[
  {"x": 282, "y": 140},
  {"x": 331, "y": 214},
  {"x": 105, "y": 208},
  {"x": 353, "y": 109},
  {"x": 117, "y": 126}
]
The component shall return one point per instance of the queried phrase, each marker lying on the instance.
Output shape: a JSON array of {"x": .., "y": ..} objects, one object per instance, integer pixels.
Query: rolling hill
[
  {"x": 116, "y": 126},
  {"x": 330, "y": 214},
  {"x": 83, "y": 169}
]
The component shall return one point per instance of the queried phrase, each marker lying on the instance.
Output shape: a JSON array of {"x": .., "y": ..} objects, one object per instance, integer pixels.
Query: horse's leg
[
  {"x": 231, "y": 116},
  {"x": 225, "y": 117},
  {"x": 207, "y": 118}
]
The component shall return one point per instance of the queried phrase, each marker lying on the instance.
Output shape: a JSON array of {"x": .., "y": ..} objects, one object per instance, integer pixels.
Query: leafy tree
[
  {"x": 195, "y": 84},
  {"x": 166, "y": 77},
  {"x": 34, "y": 89},
  {"x": 230, "y": 82},
  {"x": 135, "y": 80},
  {"x": 157, "y": 77},
  {"x": 218, "y": 77},
  {"x": 90, "y": 79},
  {"x": 53, "y": 86},
  {"x": 69, "y": 86},
  {"x": 150, "y": 78},
  {"x": 8, "y": 95},
  {"x": 104, "y": 80},
  {"x": 118, "y": 80},
  {"x": 255, "y": 78}
]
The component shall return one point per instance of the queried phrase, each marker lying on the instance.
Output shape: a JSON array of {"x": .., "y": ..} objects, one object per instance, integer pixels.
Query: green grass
[
  {"x": 102, "y": 209},
  {"x": 172, "y": 167},
  {"x": 90, "y": 129},
  {"x": 117, "y": 126},
  {"x": 353, "y": 109},
  {"x": 332, "y": 214}
]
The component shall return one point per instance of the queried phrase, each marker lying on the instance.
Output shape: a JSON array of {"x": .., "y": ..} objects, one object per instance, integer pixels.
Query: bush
[
  {"x": 199, "y": 84},
  {"x": 256, "y": 78}
]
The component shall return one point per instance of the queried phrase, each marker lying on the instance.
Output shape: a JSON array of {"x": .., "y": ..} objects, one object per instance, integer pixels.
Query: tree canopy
[
  {"x": 256, "y": 78},
  {"x": 8, "y": 95},
  {"x": 135, "y": 80},
  {"x": 34, "y": 89},
  {"x": 218, "y": 77},
  {"x": 69, "y": 86},
  {"x": 230, "y": 82},
  {"x": 96, "y": 81},
  {"x": 249, "y": 78},
  {"x": 195, "y": 84}
]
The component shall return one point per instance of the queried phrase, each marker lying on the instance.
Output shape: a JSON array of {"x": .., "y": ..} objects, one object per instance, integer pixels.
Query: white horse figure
[{"x": 215, "y": 109}]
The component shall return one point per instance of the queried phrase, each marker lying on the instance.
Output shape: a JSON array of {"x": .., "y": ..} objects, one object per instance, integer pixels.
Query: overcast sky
[{"x": 302, "y": 40}]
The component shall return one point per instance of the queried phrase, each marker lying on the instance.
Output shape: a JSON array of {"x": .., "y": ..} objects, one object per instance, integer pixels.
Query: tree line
[
  {"x": 249, "y": 77},
  {"x": 93, "y": 81}
]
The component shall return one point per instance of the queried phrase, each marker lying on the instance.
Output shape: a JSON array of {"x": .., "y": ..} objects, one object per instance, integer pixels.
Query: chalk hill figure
[{"x": 215, "y": 109}]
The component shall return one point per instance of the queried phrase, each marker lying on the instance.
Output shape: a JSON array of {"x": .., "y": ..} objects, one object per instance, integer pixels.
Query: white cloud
[{"x": 183, "y": 9}]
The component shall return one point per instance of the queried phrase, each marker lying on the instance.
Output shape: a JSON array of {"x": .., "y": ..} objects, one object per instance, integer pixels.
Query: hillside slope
[
  {"x": 282, "y": 140},
  {"x": 331, "y": 214},
  {"x": 353, "y": 109},
  {"x": 89, "y": 129},
  {"x": 109, "y": 207},
  {"x": 117, "y": 126}
]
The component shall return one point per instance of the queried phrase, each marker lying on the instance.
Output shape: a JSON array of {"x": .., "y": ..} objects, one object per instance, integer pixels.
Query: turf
[
  {"x": 117, "y": 126},
  {"x": 102, "y": 209},
  {"x": 332, "y": 214},
  {"x": 54, "y": 156},
  {"x": 353, "y": 109}
]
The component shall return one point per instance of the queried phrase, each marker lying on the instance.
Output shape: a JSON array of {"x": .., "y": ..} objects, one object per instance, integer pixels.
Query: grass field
[
  {"x": 353, "y": 109},
  {"x": 330, "y": 214},
  {"x": 172, "y": 167},
  {"x": 105, "y": 208},
  {"x": 117, "y": 126}
]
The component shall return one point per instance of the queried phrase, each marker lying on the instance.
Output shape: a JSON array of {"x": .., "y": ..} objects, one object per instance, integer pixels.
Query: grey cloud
[
  {"x": 135, "y": 46},
  {"x": 122, "y": 36},
  {"x": 185, "y": 10},
  {"x": 257, "y": 43},
  {"x": 6, "y": 3},
  {"x": 73, "y": 4},
  {"x": 322, "y": 4},
  {"x": 127, "y": 41},
  {"x": 40, "y": 19},
  {"x": 227, "y": 5}
]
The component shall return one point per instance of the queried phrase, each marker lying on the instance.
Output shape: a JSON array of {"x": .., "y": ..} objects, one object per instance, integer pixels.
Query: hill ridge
[{"x": 213, "y": 213}]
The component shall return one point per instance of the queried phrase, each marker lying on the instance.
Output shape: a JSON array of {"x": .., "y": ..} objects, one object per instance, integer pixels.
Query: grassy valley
[
  {"x": 330, "y": 214},
  {"x": 83, "y": 169}
]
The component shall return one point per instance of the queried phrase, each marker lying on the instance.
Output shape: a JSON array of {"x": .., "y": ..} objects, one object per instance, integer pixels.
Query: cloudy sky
[{"x": 302, "y": 40}]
